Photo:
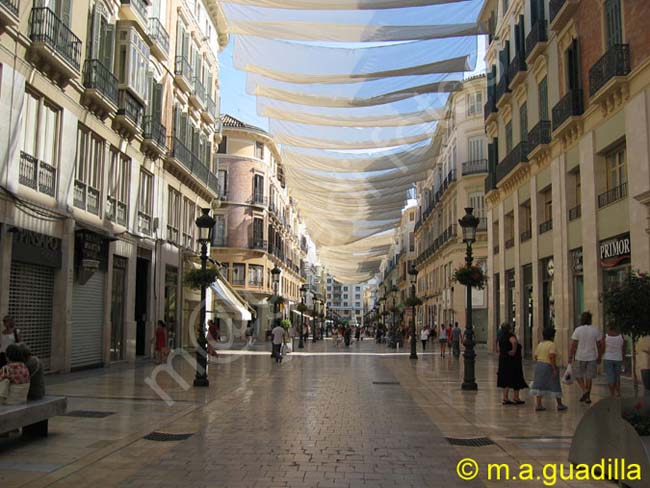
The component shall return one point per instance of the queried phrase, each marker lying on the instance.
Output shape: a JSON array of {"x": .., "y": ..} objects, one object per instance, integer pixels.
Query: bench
[{"x": 31, "y": 416}]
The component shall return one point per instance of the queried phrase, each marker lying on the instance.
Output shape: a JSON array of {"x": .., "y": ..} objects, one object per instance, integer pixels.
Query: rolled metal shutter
[
  {"x": 88, "y": 322},
  {"x": 30, "y": 304}
]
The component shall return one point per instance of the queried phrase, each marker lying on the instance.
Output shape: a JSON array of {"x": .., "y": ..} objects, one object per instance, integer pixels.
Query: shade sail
[{"x": 341, "y": 4}]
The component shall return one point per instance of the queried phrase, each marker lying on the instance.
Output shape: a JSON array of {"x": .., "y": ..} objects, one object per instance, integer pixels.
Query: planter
[{"x": 645, "y": 376}]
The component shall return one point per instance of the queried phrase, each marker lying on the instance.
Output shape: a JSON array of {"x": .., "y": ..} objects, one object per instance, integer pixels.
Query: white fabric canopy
[
  {"x": 234, "y": 305},
  {"x": 340, "y": 4}
]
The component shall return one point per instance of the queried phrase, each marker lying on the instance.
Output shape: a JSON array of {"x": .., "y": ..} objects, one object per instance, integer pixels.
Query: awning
[{"x": 232, "y": 301}]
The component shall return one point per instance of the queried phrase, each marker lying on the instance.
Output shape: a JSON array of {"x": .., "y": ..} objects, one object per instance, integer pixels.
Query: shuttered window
[
  {"x": 523, "y": 122},
  {"x": 219, "y": 231},
  {"x": 613, "y": 22},
  {"x": 542, "y": 90}
]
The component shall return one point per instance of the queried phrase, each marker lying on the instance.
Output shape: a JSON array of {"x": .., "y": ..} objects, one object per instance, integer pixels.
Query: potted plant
[
  {"x": 470, "y": 276},
  {"x": 197, "y": 278},
  {"x": 628, "y": 305}
]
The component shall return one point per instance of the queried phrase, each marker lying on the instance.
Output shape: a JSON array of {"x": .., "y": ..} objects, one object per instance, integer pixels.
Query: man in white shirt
[
  {"x": 586, "y": 349},
  {"x": 278, "y": 334}
]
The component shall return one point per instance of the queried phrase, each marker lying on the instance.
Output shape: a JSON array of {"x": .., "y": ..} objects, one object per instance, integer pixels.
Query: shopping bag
[
  {"x": 567, "y": 378},
  {"x": 287, "y": 348}
]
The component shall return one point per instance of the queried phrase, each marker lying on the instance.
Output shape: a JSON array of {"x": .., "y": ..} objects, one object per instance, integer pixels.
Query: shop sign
[
  {"x": 34, "y": 248},
  {"x": 91, "y": 249},
  {"x": 615, "y": 251}
]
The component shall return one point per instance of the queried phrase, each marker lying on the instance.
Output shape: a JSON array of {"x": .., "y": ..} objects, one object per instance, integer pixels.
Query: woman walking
[
  {"x": 546, "y": 382},
  {"x": 442, "y": 339},
  {"x": 510, "y": 375},
  {"x": 613, "y": 359}
]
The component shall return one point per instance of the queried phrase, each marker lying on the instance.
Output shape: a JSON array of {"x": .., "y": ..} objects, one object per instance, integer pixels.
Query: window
[
  {"x": 506, "y": 4},
  {"x": 613, "y": 22},
  {"x": 219, "y": 231},
  {"x": 345, "y": 296},
  {"x": 119, "y": 179},
  {"x": 547, "y": 205},
  {"x": 101, "y": 43},
  {"x": 40, "y": 151},
  {"x": 173, "y": 215},
  {"x": 477, "y": 202},
  {"x": 238, "y": 274},
  {"x": 258, "y": 233},
  {"x": 474, "y": 103},
  {"x": 345, "y": 288},
  {"x": 258, "y": 189},
  {"x": 133, "y": 61},
  {"x": 222, "y": 181},
  {"x": 256, "y": 275},
  {"x": 89, "y": 165},
  {"x": 508, "y": 137},
  {"x": 412, "y": 217},
  {"x": 145, "y": 202},
  {"x": 411, "y": 242},
  {"x": 223, "y": 146},
  {"x": 259, "y": 150},
  {"x": 543, "y": 99},
  {"x": 357, "y": 296},
  {"x": 475, "y": 148},
  {"x": 357, "y": 304},
  {"x": 616, "y": 171},
  {"x": 523, "y": 122},
  {"x": 189, "y": 216}
]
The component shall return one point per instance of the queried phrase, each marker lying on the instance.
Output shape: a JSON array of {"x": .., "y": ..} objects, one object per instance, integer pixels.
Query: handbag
[{"x": 567, "y": 378}]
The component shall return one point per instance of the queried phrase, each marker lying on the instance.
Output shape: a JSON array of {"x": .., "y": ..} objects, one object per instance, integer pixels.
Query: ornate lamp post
[
  {"x": 303, "y": 297},
  {"x": 469, "y": 223},
  {"x": 413, "y": 275},
  {"x": 393, "y": 293},
  {"x": 315, "y": 320},
  {"x": 382, "y": 301},
  {"x": 205, "y": 223},
  {"x": 275, "y": 277}
]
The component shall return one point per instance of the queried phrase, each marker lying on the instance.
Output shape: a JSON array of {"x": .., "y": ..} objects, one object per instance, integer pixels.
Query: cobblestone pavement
[{"x": 329, "y": 417}]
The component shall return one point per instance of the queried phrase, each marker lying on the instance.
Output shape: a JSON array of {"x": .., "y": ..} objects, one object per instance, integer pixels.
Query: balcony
[
  {"x": 100, "y": 94},
  {"x": 482, "y": 224},
  {"x": 136, "y": 11},
  {"x": 197, "y": 95},
  {"x": 510, "y": 243},
  {"x": 159, "y": 39},
  {"x": 536, "y": 41},
  {"x": 575, "y": 212},
  {"x": 188, "y": 241},
  {"x": 495, "y": 249},
  {"x": 259, "y": 199},
  {"x": 258, "y": 244},
  {"x": 36, "y": 174},
  {"x": 144, "y": 223},
  {"x": 609, "y": 72},
  {"x": 612, "y": 196},
  {"x": 490, "y": 110},
  {"x": 86, "y": 197},
  {"x": 546, "y": 226},
  {"x": 129, "y": 117},
  {"x": 200, "y": 170},
  {"x": 526, "y": 235},
  {"x": 512, "y": 161},
  {"x": 116, "y": 211},
  {"x": 172, "y": 234},
  {"x": 154, "y": 137},
  {"x": 566, "y": 112},
  {"x": 55, "y": 49},
  {"x": 210, "y": 114},
  {"x": 539, "y": 138},
  {"x": 503, "y": 91},
  {"x": 517, "y": 71},
  {"x": 179, "y": 152},
  {"x": 183, "y": 73},
  {"x": 213, "y": 185},
  {"x": 477, "y": 167},
  {"x": 490, "y": 182},
  {"x": 9, "y": 12},
  {"x": 561, "y": 12}
]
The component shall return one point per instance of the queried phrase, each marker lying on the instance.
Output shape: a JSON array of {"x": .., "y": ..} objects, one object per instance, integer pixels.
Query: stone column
[
  {"x": 62, "y": 310},
  {"x": 538, "y": 314}
]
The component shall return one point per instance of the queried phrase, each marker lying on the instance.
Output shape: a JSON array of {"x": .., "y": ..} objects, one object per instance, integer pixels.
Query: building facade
[
  {"x": 345, "y": 301},
  {"x": 567, "y": 118},
  {"x": 455, "y": 182},
  {"x": 106, "y": 159},
  {"x": 258, "y": 225}
]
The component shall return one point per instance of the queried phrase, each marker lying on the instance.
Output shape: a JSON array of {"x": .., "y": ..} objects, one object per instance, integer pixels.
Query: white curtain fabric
[
  {"x": 340, "y": 4},
  {"x": 352, "y": 65}
]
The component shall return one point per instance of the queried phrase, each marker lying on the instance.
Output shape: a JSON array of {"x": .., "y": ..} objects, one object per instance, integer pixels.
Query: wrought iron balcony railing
[
  {"x": 130, "y": 107},
  {"x": 490, "y": 106},
  {"x": 613, "y": 195},
  {"x": 158, "y": 34},
  {"x": 152, "y": 129},
  {"x": 116, "y": 210},
  {"x": 99, "y": 77},
  {"x": 213, "y": 184},
  {"x": 179, "y": 151},
  {"x": 47, "y": 28},
  {"x": 510, "y": 243},
  {"x": 183, "y": 67},
  {"x": 36, "y": 174},
  {"x": 86, "y": 197},
  {"x": 258, "y": 244},
  {"x": 517, "y": 65},
  {"x": 259, "y": 199},
  {"x": 570, "y": 105},
  {"x": 139, "y": 6},
  {"x": 538, "y": 34},
  {"x": 144, "y": 223},
  {"x": 539, "y": 135},
  {"x": 502, "y": 87},
  {"x": 519, "y": 154},
  {"x": 546, "y": 226},
  {"x": 11, "y": 5},
  {"x": 526, "y": 235},
  {"x": 575, "y": 212},
  {"x": 475, "y": 167},
  {"x": 490, "y": 182},
  {"x": 199, "y": 90},
  {"x": 212, "y": 108},
  {"x": 615, "y": 62}
]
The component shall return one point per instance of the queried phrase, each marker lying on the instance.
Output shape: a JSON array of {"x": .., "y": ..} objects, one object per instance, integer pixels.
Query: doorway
[
  {"x": 527, "y": 274},
  {"x": 117, "y": 308},
  {"x": 141, "y": 301}
]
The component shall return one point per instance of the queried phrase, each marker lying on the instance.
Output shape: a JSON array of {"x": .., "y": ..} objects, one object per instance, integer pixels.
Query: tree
[{"x": 628, "y": 305}]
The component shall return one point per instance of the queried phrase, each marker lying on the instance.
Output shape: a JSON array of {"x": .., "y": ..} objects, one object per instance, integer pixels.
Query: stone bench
[{"x": 31, "y": 416}]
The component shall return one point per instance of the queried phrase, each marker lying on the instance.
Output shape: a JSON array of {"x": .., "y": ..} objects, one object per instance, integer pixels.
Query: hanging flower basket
[
  {"x": 277, "y": 299},
  {"x": 197, "y": 278},
  {"x": 302, "y": 308},
  {"x": 413, "y": 302},
  {"x": 471, "y": 276}
]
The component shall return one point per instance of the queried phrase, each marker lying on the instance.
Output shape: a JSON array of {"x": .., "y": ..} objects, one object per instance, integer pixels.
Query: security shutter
[
  {"x": 30, "y": 304},
  {"x": 88, "y": 321}
]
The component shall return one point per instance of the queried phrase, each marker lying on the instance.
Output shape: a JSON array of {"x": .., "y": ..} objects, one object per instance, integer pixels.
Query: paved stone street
[{"x": 358, "y": 416}]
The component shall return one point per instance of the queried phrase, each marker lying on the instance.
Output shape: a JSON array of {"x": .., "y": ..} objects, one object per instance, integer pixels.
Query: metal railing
[
  {"x": 172, "y": 234},
  {"x": 482, "y": 224},
  {"x": 158, "y": 33},
  {"x": 129, "y": 107},
  {"x": 36, "y": 174},
  {"x": 183, "y": 68},
  {"x": 502, "y": 87},
  {"x": 212, "y": 107},
  {"x": 537, "y": 35},
  {"x": 526, "y": 235},
  {"x": 517, "y": 65},
  {"x": 99, "y": 77},
  {"x": 545, "y": 226},
  {"x": 495, "y": 249},
  {"x": 86, "y": 197},
  {"x": 139, "y": 7},
  {"x": 490, "y": 106},
  {"x": 258, "y": 244},
  {"x": 144, "y": 223},
  {"x": 490, "y": 182},
  {"x": 11, "y": 5},
  {"x": 116, "y": 210},
  {"x": 569, "y": 106},
  {"x": 539, "y": 135},
  {"x": 575, "y": 212},
  {"x": 213, "y": 184},
  {"x": 474, "y": 167},
  {"x": 259, "y": 199},
  {"x": 178, "y": 150},
  {"x": 510, "y": 243},
  {"x": 199, "y": 169},
  {"x": 615, "y": 62},
  {"x": 613, "y": 195},
  {"x": 199, "y": 90},
  {"x": 555, "y": 7},
  {"x": 153, "y": 130},
  {"x": 519, "y": 154},
  {"x": 47, "y": 28}
]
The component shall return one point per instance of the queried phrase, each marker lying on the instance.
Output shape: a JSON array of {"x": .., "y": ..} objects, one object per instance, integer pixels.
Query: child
[
  {"x": 547, "y": 376},
  {"x": 15, "y": 377}
]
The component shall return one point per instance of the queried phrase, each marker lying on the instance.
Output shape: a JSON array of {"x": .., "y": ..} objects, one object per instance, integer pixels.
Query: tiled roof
[{"x": 230, "y": 121}]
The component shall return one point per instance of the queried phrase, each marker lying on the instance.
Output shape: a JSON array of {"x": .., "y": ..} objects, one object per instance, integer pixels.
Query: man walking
[
  {"x": 456, "y": 338},
  {"x": 586, "y": 350},
  {"x": 279, "y": 335},
  {"x": 424, "y": 337}
]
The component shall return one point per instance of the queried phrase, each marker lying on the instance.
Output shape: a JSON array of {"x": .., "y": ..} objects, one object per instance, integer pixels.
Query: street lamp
[
  {"x": 303, "y": 297},
  {"x": 413, "y": 275},
  {"x": 315, "y": 319},
  {"x": 205, "y": 223},
  {"x": 469, "y": 223},
  {"x": 382, "y": 320},
  {"x": 393, "y": 291},
  {"x": 275, "y": 277}
]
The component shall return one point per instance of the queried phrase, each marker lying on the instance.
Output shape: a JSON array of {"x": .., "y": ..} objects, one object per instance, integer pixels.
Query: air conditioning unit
[{"x": 132, "y": 61}]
